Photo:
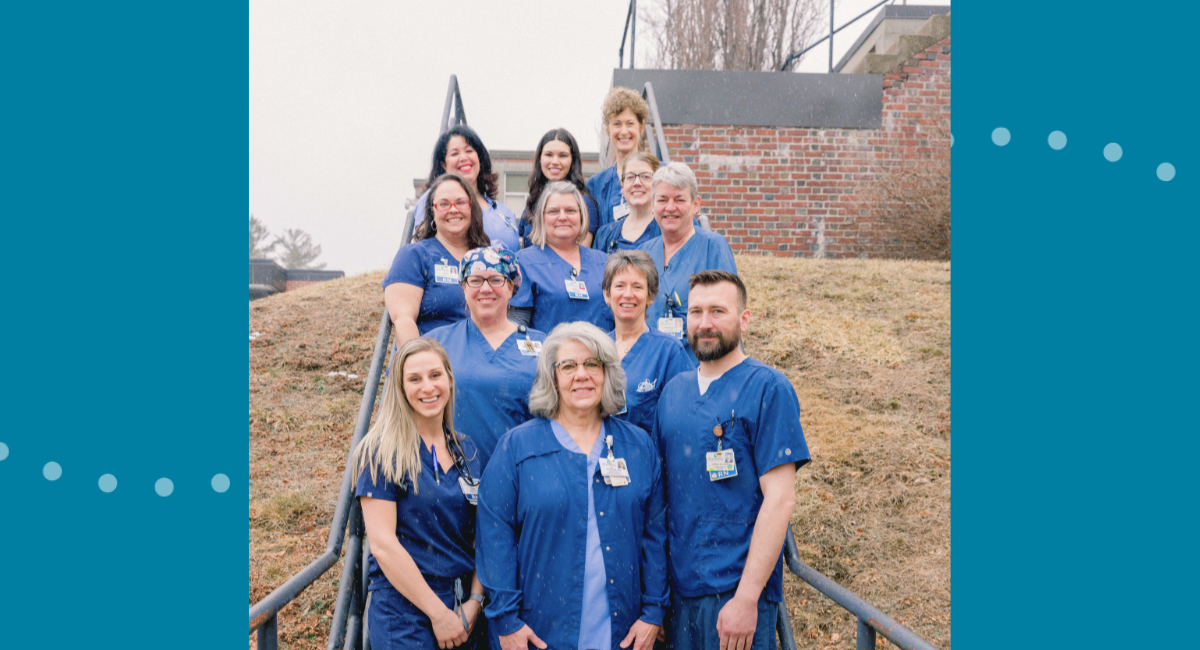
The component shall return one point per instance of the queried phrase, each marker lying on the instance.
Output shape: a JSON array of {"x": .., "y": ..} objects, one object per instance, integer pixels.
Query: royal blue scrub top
[
  {"x": 544, "y": 288},
  {"x": 533, "y": 507},
  {"x": 605, "y": 187},
  {"x": 526, "y": 225},
  {"x": 711, "y": 521},
  {"x": 443, "y": 302},
  {"x": 491, "y": 387},
  {"x": 706, "y": 250},
  {"x": 499, "y": 222},
  {"x": 610, "y": 239},
  {"x": 654, "y": 360},
  {"x": 434, "y": 523}
]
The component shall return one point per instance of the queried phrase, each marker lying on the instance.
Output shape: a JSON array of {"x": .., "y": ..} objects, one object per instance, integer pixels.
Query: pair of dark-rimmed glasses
[
  {"x": 593, "y": 365},
  {"x": 476, "y": 281}
]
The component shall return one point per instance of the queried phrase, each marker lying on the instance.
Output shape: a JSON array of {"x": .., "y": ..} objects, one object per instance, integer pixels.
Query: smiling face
[
  {"x": 462, "y": 159},
  {"x": 715, "y": 320},
  {"x": 628, "y": 295},
  {"x": 634, "y": 186},
  {"x": 579, "y": 391},
  {"x": 487, "y": 303},
  {"x": 556, "y": 160},
  {"x": 674, "y": 209},
  {"x": 562, "y": 220},
  {"x": 426, "y": 384},
  {"x": 455, "y": 221},
  {"x": 624, "y": 131}
]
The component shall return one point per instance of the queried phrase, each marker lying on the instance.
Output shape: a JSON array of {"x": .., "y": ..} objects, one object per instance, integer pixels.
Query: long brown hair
[{"x": 476, "y": 237}]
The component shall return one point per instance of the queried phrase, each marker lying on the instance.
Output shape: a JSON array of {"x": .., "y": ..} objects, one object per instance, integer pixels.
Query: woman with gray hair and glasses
[{"x": 572, "y": 536}]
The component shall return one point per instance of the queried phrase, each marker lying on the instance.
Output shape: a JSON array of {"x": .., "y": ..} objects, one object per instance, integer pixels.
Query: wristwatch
[{"x": 477, "y": 598}]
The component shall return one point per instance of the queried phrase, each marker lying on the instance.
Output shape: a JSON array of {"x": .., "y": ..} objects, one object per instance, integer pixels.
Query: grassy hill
[{"x": 866, "y": 343}]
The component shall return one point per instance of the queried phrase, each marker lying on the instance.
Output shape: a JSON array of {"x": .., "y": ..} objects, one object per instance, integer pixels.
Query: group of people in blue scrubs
[{"x": 548, "y": 400}]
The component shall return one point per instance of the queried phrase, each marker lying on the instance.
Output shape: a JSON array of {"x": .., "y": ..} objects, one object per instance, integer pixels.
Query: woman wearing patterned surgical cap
[{"x": 494, "y": 359}]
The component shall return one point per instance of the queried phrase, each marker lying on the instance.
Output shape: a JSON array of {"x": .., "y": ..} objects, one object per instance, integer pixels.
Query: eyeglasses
[
  {"x": 593, "y": 366},
  {"x": 644, "y": 177},
  {"x": 476, "y": 281},
  {"x": 554, "y": 212},
  {"x": 444, "y": 205}
]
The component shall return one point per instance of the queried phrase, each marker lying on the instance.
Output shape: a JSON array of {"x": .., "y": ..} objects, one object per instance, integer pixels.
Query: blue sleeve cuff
[
  {"x": 652, "y": 614},
  {"x": 506, "y": 624}
]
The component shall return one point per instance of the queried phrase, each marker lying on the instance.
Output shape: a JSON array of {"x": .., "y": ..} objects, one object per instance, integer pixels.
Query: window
[{"x": 516, "y": 191}]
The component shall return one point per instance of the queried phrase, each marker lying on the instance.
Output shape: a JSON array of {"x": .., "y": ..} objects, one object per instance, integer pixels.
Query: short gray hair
[
  {"x": 537, "y": 233},
  {"x": 677, "y": 175},
  {"x": 544, "y": 398},
  {"x": 636, "y": 260}
]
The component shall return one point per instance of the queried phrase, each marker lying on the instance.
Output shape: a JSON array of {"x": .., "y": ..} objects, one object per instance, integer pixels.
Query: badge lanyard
[
  {"x": 721, "y": 464},
  {"x": 576, "y": 289},
  {"x": 614, "y": 470},
  {"x": 466, "y": 481},
  {"x": 669, "y": 323},
  {"x": 528, "y": 347}
]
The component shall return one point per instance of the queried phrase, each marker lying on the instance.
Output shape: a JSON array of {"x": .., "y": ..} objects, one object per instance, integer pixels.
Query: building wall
[{"x": 801, "y": 192}]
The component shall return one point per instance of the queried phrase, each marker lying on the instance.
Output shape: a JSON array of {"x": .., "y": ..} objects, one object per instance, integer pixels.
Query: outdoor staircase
[{"x": 935, "y": 29}]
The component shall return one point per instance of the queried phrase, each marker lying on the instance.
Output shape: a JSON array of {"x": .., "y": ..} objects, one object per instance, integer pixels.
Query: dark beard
[{"x": 722, "y": 347}]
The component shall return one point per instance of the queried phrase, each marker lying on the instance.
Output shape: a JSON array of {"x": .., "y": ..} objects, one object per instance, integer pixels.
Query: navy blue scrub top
[
  {"x": 491, "y": 387},
  {"x": 704, "y": 251},
  {"x": 711, "y": 521},
  {"x": 605, "y": 187},
  {"x": 526, "y": 225},
  {"x": 654, "y": 360},
  {"x": 544, "y": 288},
  {"x": 443, "y": 302},
  {"x": 533, "y": 512},
  {"x": 610, "y": 239},
  {"x": 435, "y": 524}
]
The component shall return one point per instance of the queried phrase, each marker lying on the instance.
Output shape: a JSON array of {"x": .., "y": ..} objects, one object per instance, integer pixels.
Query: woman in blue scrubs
[
  {"x": 460, "y": 151},
  {"x": 681, "y": 250},
  {"x": 562, "y": 278},
  {"x": 649, "y": 357},
  {"x": 417, "y": 481},
  {"x": 639, "y": 226},
  {"x": 571, "y": 542},
  {"x": 557, "y": 159},
  {"x": 422, "y": 290},
  {"x": 495, "y": 359},
  {"x": 625, "y": 115}
]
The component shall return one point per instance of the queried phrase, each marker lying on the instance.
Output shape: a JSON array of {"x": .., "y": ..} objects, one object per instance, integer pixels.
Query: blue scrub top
[
  {"x": 532, "y": 545},
  {"x": 711, "y": 521},
  {"x": 499, "y": 221},
  {"x": 610, "y": 239},
  {"x": 526, "y": 226},
  {"x": 443, "y": 303},
  {"x": 435, "y": 524},
  {"x": 706, "y": 250},
  {"x": 491, "y": 387},
  {"x": 605, "y": 187},
  {"x": 544, "y": 288},
  {"x": 654, "y": 360}
]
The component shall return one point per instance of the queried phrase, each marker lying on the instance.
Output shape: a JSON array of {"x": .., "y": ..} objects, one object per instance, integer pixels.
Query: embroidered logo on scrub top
[{"x": 646, "y": 386}]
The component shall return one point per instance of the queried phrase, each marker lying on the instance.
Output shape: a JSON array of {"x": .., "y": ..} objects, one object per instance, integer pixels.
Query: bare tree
[
  {"x": 298, "y": 250},
  {"x": 732, "y": 34},
  {"x": 258, "y": 237}
]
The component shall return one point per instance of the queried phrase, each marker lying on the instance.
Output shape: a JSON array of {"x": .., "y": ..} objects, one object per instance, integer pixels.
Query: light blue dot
[
  {"x": 951, "y": 139},
  {"x": 108, "y": 483},
  {"x": 1001, "y": 136},
  {"x": 1112, "y": 152},
  {"x": 1057, "y": 140},
  {"x": 164, "y": 487},
  {"x": 3, "y": 451},
  {"x": 1166, "y": 172},
  {"x": 52, "y": 471},
  {"x": 220, "y": 482}
]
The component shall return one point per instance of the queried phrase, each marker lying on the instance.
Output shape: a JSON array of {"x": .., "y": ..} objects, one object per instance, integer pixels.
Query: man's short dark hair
[{"x": 712, "y": 276}]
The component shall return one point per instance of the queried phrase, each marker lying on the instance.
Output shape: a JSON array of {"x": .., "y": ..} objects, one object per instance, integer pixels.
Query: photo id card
[
  {"x": 577, "y": 290},
  {"x": 529, "y": 348},
  {"x": 614, "y": 471},
  {"x": 721, "y": 465},
  {"x": 672, "y": 326},
  {"x": 620, "y": 211},
  {"x": 471, "y": 492},
  {"x": 445, "y": 273}
]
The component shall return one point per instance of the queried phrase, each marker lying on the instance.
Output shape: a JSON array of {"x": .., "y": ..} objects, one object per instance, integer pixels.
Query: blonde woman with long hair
[{"x": 417, "y": 480}]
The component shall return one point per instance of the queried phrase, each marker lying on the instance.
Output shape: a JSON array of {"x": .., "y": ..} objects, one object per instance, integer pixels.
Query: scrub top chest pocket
[{"x": 721, "y": 463}]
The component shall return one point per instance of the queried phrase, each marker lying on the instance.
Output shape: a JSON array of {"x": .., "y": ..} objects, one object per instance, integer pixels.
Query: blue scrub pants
[
  {"x": 394, "y": 622},
  {"x": 693, "y": 624}
]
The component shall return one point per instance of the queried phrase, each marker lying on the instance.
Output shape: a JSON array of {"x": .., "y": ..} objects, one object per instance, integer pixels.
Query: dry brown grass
[{"x": 866, "y": 343}]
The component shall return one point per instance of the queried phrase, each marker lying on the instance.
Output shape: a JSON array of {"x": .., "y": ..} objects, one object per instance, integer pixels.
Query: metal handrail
[
  {"x": 658, "y": 139},
  {"x": 630, "y": 20},
  {"x": 870, "y": 618},
  {"x": 787, "y": 64}
]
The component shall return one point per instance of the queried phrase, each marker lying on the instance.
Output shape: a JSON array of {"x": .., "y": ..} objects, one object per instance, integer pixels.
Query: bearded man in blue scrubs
[{"x": 730, "y": 437}]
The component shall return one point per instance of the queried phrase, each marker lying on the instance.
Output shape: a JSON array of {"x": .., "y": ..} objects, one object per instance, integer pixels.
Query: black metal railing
[
  {"x": 630, "y": 33},
  {"x": 787, "y": 64}
]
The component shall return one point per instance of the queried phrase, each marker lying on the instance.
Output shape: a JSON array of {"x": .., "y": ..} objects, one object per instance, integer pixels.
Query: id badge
[
  {"x": 721, "y": 464},
  {"x": 471, "y": 492},
  {"x": 577, "y": 290},
  {"x": 620, "y": 211},
  {"x": 672, "y": 326},
  {"x": 445, "y": 274},
  {"x": 529, "y": 348},
  {"x": 615, "y": 472}
]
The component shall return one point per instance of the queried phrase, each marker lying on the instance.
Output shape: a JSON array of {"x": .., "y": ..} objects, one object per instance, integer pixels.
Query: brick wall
[{"x": 796, "y": 192}]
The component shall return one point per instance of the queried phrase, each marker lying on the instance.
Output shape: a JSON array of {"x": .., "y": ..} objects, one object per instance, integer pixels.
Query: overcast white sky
[{"x": 345, "y": 99}]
